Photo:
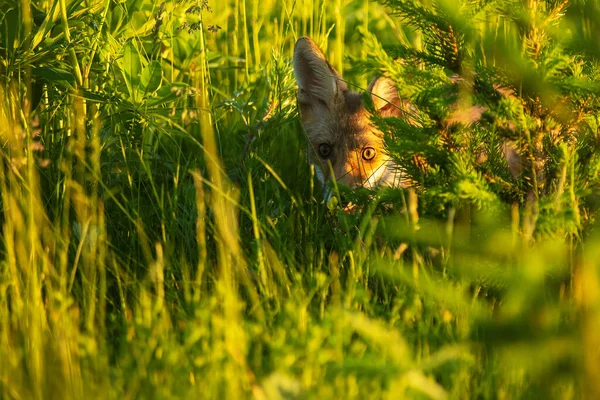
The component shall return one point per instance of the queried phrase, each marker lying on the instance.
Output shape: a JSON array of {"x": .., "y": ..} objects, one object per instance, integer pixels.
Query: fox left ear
[
  {"x": 385, "y": 95},
  {"x": 318, "y": 83}
]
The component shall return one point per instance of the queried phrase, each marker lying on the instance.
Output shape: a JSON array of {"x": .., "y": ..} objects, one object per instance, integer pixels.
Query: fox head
[{"x": 341, "y": 138}]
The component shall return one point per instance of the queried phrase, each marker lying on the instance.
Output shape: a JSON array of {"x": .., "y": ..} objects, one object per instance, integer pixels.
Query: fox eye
[
  {"x": 325, "y": 150},
  {"x": 368, "y": 153}
]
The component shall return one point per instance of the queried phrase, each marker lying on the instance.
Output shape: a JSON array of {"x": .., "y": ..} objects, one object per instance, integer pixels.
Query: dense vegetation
[{"x": 164, "y": 237}]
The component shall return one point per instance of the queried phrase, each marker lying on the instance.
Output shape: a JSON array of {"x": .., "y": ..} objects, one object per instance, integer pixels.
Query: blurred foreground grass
[{"x": 162, "y": 236}]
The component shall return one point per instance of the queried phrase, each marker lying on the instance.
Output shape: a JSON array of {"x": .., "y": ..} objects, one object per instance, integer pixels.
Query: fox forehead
[{"x": 347, "y": 124}]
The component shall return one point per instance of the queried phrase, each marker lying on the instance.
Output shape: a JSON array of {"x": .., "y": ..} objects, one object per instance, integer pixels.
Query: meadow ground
[{"x": 163, "y": 236}]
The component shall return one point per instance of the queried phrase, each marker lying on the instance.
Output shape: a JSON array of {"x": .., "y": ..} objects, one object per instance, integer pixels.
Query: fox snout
[{"x": 343, "y": 143}]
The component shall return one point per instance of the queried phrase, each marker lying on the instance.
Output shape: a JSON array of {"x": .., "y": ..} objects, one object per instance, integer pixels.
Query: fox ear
[
  {"x": 388, "y": 103},
  {"x": 384, "y": 94},
  {"x": 318, "y": 82}
]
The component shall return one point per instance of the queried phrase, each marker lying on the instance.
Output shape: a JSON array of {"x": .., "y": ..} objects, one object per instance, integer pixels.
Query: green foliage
[
  {"x": 504, "y": 107},
  {"x": 164, "y": 237}
]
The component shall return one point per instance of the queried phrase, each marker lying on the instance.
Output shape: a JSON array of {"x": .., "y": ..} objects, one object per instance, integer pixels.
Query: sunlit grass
[{"x": 163, "y": 236}]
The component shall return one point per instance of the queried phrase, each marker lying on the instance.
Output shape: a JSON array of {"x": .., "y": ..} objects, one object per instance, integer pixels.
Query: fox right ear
[
  {"x": 384, "y": 93},
  {"x": 318, "y": 82},
  {"x": 388, "y": 103}
]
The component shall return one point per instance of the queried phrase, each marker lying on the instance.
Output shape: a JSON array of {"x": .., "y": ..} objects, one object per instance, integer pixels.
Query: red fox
[
  {"x": 343, "y": 141},
  {"x": 341, "y": 138}
]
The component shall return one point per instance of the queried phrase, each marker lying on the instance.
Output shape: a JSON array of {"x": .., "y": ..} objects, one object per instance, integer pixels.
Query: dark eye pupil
[
  {"x": 368, "y": 153},
  {"x": 324, "y": 150}
]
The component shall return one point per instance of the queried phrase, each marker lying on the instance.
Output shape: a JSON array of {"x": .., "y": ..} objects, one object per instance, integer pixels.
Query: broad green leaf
[
  {"x": 138, "y": 19},
  {"x": 131, "y": 66},
  {"x": 51, "y": 74},
  {"x": 116, "y": 19},
  {"x": 138, "y": 25},
  {"x": 11, "y": 31},
  {"x": 151, "y": 76},
  {"x": 181, "y": 49}
]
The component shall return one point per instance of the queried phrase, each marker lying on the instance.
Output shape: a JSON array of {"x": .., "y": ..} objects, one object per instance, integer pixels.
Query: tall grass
[{"x": 163, "y": 237}]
